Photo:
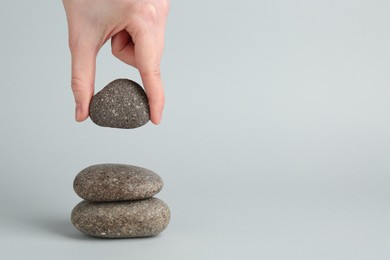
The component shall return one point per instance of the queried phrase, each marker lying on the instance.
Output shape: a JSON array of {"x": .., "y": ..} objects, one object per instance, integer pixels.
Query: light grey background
[{"x": 275, "y": 141}]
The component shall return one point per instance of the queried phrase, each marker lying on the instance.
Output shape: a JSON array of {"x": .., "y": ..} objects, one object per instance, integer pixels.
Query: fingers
[
  {"x": 155, "y": 92},
  {"x": 147, "y": 58},
  {"x": 141, "y": 45},
  {"x": 83, "y": 78},
  {"x": 145, "y": 55},
  {"x": 122, "y": 47}
]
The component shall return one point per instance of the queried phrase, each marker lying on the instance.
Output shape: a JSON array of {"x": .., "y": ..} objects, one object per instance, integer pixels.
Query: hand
[{"x": 136, "y": 29}]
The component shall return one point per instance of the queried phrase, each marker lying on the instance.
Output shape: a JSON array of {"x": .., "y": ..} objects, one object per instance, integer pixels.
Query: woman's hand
[{"x": 136, "y": 29}]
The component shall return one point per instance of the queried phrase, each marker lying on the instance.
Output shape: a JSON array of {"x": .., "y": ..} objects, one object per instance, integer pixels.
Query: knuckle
[
  {"x": 154, "y": 74},
  {"x": 165, "y": 5},
  {"x": 78, "y": 85},
  {"x": 115, "y": 51},
  {"x": 82, "y": 89},
  {"x": 147, "y": 11},
  {"x": 79, "y": 43},
  {"x": 156, "y": 96},
  {"x": 152, "y": 11}
]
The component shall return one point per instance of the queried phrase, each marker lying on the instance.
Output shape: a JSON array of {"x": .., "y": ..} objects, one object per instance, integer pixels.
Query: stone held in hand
[
  {"x": 121, "y": 104},
  {"x": 116, "y": 182},
  {"x": 142, "y": 218}
]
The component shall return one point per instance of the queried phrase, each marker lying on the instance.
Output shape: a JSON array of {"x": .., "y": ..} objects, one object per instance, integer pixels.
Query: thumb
[{"x": 83, "y": 79}]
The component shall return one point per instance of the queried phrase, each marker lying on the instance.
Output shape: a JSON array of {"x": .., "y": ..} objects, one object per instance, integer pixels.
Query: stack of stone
[
  {"x": 118, "y": 199},
  {"x": 118, "y": 202}
]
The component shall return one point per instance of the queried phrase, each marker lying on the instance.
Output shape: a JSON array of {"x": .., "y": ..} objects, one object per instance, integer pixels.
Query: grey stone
[
  {"x": 116, "y": 182},
  {"x": 121, "y": 104},
  {"x": 143, "y": 218}
]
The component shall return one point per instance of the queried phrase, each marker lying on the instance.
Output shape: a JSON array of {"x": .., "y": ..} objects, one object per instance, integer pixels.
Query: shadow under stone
[
  {"x": 63, "y": 227},
  {"x": 59, "y": 226}
]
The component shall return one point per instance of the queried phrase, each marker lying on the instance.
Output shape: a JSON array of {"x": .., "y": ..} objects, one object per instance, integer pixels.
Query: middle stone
[{"x": 116, "y": 182}]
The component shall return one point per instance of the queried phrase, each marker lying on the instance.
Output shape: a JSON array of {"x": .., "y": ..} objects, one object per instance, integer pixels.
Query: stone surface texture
[
  {"x": 143, "y": 218},
  {"x": 116, "y": 182},
  {"x": 121, "y": 104}
]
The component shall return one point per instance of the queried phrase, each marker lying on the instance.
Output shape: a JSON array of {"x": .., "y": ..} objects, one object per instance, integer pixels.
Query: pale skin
[{"x": 136, "y": 29}]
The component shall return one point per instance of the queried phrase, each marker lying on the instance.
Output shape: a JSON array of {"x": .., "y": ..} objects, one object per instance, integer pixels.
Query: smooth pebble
[
  {"x": 143, "y": 218},
  {"x": 116, "y": 182}
]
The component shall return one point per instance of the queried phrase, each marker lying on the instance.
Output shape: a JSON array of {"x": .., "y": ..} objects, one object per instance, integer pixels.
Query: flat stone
[
  {"x": 116, "y": 182},
  {"x": 121, "y": 104},
  {"x": 143, "y": 218}
]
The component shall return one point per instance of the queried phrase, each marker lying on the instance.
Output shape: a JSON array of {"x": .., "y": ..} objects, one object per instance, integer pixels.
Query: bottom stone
[{"x": 142, "y": 218}]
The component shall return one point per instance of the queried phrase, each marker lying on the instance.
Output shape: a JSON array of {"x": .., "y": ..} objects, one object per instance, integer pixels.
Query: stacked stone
[
  {"x": 118, "y": 199},
  {"x": 118, "y": 202}
]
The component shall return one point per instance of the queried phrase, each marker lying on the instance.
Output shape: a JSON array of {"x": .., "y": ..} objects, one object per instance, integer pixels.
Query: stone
[
  {"x": 143, "y": 218},
  {"x": 116, "y": 182},
  {"x": 121, "y": 104}
]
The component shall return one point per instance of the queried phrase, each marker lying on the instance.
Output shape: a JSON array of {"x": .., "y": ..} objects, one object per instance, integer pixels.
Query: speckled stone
[
  {"x": 143, "y": 218},
  {"x": 121, "y": 104},
  {"x": 116, "y": 182}
]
